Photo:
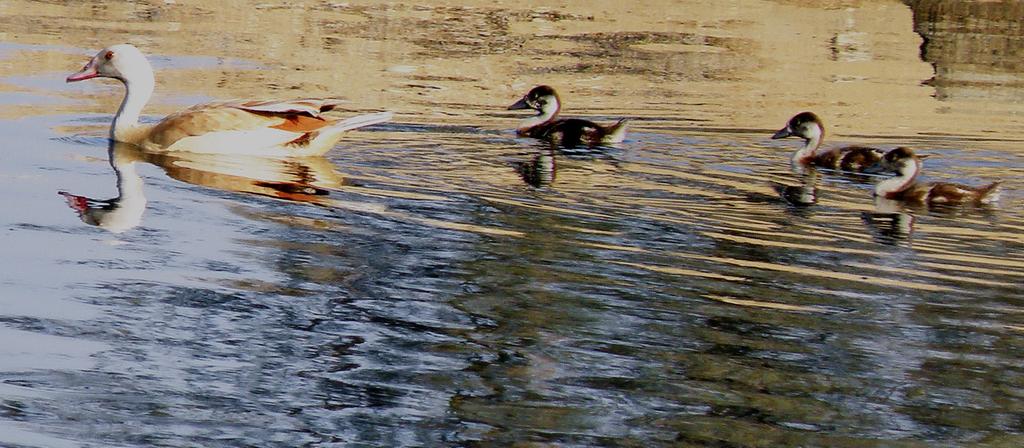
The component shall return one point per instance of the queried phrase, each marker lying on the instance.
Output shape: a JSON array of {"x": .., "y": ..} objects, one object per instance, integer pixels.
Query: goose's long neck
[
  {"x": 812, "y": 141},
  {"x": 138, "y": 90},
  {"x": 907, "y": 177},
  {"x": 548, "y": 113}
]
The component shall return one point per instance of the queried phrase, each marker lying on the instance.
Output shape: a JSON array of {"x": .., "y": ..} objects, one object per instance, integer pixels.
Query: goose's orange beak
[{"x": 87, "y": 72}]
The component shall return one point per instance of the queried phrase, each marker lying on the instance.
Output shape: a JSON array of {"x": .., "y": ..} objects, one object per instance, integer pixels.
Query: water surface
[{"x": 438, "y": 281}]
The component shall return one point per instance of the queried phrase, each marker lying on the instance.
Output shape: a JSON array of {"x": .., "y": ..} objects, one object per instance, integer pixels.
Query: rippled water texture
[{"x": 437, "y": 281}]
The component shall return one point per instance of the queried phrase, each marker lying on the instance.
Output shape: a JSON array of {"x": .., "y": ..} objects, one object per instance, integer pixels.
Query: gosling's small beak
[
  {"x": 521, "y": 104},
  {"x": 782, "y": 133},
  {"x": 87, "y": 72}
]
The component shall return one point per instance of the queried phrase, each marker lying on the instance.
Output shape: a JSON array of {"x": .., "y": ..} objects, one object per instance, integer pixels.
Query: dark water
[{"x": 451, "y": 285}]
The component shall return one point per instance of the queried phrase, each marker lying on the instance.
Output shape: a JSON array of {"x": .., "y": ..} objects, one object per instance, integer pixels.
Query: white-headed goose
[{"x": 263, "y": 128}]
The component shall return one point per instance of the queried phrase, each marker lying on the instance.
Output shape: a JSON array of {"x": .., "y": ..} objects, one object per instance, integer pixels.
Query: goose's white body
[{"x": 263, "y": 128}]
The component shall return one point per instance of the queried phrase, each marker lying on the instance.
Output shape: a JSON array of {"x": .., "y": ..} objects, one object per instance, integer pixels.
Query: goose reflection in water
[
  {"x": 308, "y": 179},
  {"x": 122, "y": 212}
]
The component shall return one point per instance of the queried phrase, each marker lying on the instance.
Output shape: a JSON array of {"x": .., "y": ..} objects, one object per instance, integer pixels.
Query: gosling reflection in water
[
  {"x": 307, "y": 179},
  {"x": 802, "y": 195},
  {"x": 539, "y": 171},
  {"x": 889, "y": 223}
]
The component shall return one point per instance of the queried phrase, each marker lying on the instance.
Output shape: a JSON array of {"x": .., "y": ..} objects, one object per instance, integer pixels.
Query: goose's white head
[{"x": 123, "y": 62}]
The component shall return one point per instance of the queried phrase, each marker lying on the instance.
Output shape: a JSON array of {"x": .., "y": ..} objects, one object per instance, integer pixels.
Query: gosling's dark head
[
  {"x": 898, "y": 154},
  {"x": 896, "y": 160},
  {"x": 805, "y": 125},
  {"x": 541, "y": 98}
]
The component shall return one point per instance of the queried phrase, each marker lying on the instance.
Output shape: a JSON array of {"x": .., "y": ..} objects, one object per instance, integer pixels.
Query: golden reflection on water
[
  {"x": 723, "y": 66},
  {"x": 678, "y": 271},
  {"x": 972, "y": 269},
  {"x": 764, "y": 304},
  {"x": 687, "y": 203},
  {"x": 817, "y": 272},
  {"x": 975, "y": 259},
  {"x": 931, "y": 275},
  {"x": 788, "y": 245}
]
